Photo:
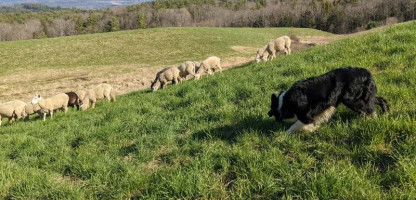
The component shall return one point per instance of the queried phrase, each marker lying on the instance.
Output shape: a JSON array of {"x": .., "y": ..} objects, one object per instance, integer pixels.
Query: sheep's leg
[
  {"x": 93, "y": 105},
  {"x": 11, "y": 120},
  {"x": 108, "y": 98},
  {"x": 65, "y": 109},
  {"x": 0, "y": 120},
  {"x": 219, "y": 67},
  {"x": 51, "y": 113},
  {"x": 289, "y": 50}
]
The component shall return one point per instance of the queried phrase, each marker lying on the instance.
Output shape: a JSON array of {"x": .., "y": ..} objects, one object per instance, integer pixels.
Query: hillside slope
[
  {"x": 54, "y": 65},
  {"x": 212, "y": 139}
]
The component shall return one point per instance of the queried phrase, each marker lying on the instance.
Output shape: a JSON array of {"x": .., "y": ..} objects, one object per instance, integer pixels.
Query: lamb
[
  {"x": 187, "y": 68},
  {"x": 262, "y": 54},
  {"x": 278, "y": 45},
  {"x": 164, "y": 76},
  {"x": 49, "y": 105},
  {"x": 31, "y": 109},
  {"x": 209, "y": 65},
  {"x": 98, "y": 92},
  {"x": 12, "y": 110},
  {"x": 73, "y": 100}
]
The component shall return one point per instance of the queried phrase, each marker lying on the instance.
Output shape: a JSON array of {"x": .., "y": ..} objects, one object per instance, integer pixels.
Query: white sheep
[
  {"x": 81, "y": 94},
  {"x": 98, "y": 92},
  {"x": 49, "y": 105},
  {"x": 31, "y": 109},
  {"x": 209, "y": 65},
  {"x": 262, "y": 54},
  {"x": 166, "y": 75},
  {"x": 280, "y": 44},
  {"x": 188, "y": 67},
  {"x": 12, "y": 110}
]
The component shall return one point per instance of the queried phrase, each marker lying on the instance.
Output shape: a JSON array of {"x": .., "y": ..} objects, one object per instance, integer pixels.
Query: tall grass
[{"x": 212, "y": 139}]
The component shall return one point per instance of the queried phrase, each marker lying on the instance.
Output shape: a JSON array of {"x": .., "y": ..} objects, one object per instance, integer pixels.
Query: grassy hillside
[
  {"x": 212, "y": 139},
  {"x": 146, "y": 47}
]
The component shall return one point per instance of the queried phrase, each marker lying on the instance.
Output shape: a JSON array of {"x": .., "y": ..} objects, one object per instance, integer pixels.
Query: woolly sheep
[
  {"x": 31, "y": 109},
  {"x": 280, "y": 44},
  {"x": 12, "y": 110},
  {"x": 81, "y": 94},
  {"x": 98, "y": 92},
  {"x": 49, "y": 105},
  {"x": 187, "y": 68},
  {"x": 262, "y": 54},
  {"x": 166, "y": 75},
  {"x": 209, "y": 65}
]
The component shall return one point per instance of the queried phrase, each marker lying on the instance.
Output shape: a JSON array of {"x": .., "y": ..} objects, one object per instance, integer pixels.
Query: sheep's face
[
  {"x": 278, "y": 110},
  {"x": 155, "y": 86},
  {"x": 83, "y": 105},
  {"x": 36, "y": 99}
]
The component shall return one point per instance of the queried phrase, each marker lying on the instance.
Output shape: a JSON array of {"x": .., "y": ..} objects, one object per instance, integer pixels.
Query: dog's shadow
[{"x": 231, "y": 132}]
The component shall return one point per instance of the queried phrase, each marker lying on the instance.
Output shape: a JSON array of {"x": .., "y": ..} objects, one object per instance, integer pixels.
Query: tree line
[{"x": 337, "y": 16}]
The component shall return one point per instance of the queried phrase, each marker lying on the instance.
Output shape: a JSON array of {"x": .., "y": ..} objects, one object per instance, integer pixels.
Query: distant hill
[
  {"x": 80, "y": 4},
  {"x": 28, "y": 7}
]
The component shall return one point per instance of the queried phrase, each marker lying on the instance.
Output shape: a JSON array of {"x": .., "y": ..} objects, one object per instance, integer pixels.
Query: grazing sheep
[
  {"x": 73, "y": 100},
  {"x": 81, "y": 94},
  {"x": 187, "y": 68},
  {"x": 49, "y": 105},
  {"x": 262, "y": 54},
  {"x": 164, "y": 76},
  {"x": 31, "y": 109},
  {"x": 98, "y": 92},
  {"x": 280, "y": 44},
  {"x": 12, "y": 110},
  {"x": 209, "y": 65}
]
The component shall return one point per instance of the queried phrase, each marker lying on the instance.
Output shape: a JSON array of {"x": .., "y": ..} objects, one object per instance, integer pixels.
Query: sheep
[
  {"x": 98, "y": 92},
  {"x": 279, "y": 44},
  {"x": 262, "y": 54},
  {"x": 164, "y": 76},
  {"x": 73, "y": 100},
  {"x": 187, "y": 68},
  {"x": 81, "y": 94},
  {"x": 12, "y": 110},
  {"x": 31, "y": 109},
  {"x": 49, "y": 105},
  {"x": 209, "y": 65}
]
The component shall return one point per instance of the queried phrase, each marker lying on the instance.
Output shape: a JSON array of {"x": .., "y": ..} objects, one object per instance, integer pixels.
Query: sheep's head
[
  {"x": 36, "y": 99},
  {"x": 280, "y": 111},
  {"x": 155, "y": 85},
  {"x": 84, "y": 104}
]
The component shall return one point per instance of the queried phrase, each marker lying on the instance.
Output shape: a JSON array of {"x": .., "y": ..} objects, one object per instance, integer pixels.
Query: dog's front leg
[{"x": 300, "y": 126}]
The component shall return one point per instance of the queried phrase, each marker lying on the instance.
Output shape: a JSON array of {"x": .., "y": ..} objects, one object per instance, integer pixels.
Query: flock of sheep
[{"x": 83, "y": 99}]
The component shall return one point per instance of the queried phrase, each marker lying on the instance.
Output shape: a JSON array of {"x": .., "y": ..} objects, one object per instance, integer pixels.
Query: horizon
[{"x": 79, "y": 4}]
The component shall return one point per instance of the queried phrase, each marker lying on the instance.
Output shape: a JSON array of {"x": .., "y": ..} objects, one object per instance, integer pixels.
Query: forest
[{"x": 336, "y": 16}]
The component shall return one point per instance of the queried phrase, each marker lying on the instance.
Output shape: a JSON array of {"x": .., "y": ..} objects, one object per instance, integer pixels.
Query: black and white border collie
[{"x": 313, "y": 101}]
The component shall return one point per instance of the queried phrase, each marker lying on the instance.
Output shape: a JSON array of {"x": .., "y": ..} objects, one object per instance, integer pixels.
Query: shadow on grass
[{"x": 231, "y": 132}]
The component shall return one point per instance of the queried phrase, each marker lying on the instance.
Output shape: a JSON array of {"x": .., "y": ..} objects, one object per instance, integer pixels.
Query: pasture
[{"x": 212, "y": 138}]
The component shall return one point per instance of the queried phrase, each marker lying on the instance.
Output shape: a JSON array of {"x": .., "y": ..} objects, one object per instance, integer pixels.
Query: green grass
[
  {"x": 212, "y": 139},
  {"x": 148, "y": 47}
]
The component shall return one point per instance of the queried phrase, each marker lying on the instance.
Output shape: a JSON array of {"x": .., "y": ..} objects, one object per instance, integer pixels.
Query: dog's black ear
[{"x": 275, "y": 101}]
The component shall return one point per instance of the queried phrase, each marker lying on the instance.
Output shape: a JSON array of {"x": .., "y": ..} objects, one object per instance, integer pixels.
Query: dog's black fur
[{"x": 352, "y": 86}]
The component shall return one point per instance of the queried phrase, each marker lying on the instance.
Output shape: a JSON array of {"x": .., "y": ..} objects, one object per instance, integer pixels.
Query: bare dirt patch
[{"x": 124, "y": 78}]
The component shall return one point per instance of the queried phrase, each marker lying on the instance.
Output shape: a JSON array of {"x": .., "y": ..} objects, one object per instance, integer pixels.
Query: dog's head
[{"x": 278, "y": 109}]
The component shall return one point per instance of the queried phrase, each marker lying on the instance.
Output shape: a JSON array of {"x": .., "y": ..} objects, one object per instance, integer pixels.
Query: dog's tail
[{"x": 383, "y": 104}]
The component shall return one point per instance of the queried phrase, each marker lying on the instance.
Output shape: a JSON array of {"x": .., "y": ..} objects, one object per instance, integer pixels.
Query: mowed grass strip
[
  {"x": 212, "y": 139},
  {"x": 148, "y": 47}
]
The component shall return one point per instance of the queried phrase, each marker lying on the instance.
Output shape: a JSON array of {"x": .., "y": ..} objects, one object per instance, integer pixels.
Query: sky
[{"x": 82, "y": 4}]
